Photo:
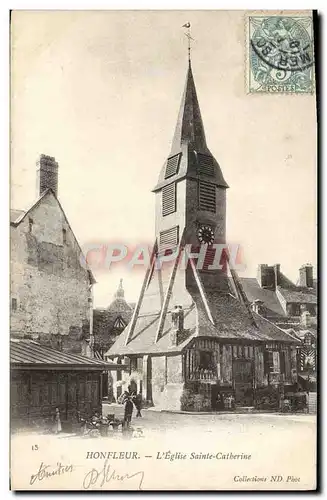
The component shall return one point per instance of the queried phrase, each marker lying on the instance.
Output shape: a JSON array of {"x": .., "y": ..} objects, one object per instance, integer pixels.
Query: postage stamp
[{"x": 280, "y": 54}]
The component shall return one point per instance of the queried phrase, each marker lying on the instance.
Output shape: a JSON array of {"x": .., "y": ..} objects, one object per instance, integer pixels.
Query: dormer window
[
  {"x": 30, "y": 225},
  {"x": 119, "y": 324},
  {"x": 64, "y": 236}
]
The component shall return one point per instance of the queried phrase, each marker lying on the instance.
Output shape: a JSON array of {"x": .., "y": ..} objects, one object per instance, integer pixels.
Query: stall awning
[{"x": 28, "y": 354}]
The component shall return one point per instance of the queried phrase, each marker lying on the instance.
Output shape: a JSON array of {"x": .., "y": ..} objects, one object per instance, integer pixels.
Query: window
[
  {"x": 205, "y": 165},
  {"x": 308, "y": 340},
  {"x": 172, "y": 165},
  {"x": 30, "y": 225},
  {"x": 64, "y": 236},
  {"x": 296, "y": 309},
  {"x": 168, "y": 238},
  {"x": 276, "y": 362},
  {"x": 207, "y": 197},
  {"x": 119, "y": 323},
  {"x": 14, "y": 304},
  {"x": 311, "y": 309},
  {"x": 169, "y": 199},
  {"x": 206, "y": 360},
  {"x": 268, "y": 361}
]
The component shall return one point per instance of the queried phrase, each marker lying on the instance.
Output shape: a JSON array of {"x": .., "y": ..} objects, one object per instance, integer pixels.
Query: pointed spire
[
  {"x": 189, "y": 128},
  {"x": 120, "y": 294}
]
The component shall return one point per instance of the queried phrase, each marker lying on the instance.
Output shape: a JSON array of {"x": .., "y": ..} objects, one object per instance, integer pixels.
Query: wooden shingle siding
[
  {"x": 172, "y": 165},
  {"x": 169, "y": 199},
  {"x": 207, "y": 197}
]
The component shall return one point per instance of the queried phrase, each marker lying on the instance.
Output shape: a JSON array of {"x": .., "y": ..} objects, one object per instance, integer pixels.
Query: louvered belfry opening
[
  {"x": 205, "y": 165},
  {"x": 172, "y": 165},
  {"x": 169, "y": 199},
  {"x": 169, "y": 238},
  {"x": 207, "y": 196}
]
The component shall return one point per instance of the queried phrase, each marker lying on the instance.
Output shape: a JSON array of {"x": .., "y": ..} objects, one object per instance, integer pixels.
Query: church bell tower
[
  {"x": 190, "y": 213},
  {"x": 191, "y": 192}
]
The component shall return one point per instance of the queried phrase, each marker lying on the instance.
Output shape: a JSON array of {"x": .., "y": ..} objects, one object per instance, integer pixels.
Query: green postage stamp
[{"x": 280, "y": 54}]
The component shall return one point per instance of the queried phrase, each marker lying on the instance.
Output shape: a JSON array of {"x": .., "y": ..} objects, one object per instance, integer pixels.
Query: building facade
[
  {"x": 292, "y": 307},
  {"x": 194, "y": 343},
  {"x": 108, "y": 323},
  {"x": 50, "y": 287}
]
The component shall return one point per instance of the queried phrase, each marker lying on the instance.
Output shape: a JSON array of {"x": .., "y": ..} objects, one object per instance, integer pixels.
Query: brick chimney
[
  {"x": 306, "y": 276},
  {"x": 277, "y": 274},
  {"x": 266, "y": 276},
  {"x": 46, "y": 174}
]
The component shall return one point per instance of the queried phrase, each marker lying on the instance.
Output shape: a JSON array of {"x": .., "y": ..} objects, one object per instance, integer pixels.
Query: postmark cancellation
[{"x": 280, "y": 54}]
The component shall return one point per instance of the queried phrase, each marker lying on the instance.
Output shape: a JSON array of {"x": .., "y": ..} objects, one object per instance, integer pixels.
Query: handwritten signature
[
  {"x": 44, "y": 472},
  {"x": 107, "y": 474}
]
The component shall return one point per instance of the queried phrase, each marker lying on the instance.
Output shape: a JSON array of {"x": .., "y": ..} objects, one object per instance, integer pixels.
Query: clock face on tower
[{"x": 206, "y": 235}]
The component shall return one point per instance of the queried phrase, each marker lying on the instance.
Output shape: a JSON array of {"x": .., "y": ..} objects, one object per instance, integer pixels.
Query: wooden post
[{"x": 145, "y": 285}]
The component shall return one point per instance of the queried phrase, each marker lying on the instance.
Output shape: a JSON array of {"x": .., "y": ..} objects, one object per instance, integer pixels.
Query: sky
[{"x": 100, "y": 91}]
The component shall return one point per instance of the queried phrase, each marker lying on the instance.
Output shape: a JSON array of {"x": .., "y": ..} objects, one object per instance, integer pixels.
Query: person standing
[
  {"x": 128, "y": 411},
  {"x": 57, "y": 425},
  {"x": 138, "y": 404}
]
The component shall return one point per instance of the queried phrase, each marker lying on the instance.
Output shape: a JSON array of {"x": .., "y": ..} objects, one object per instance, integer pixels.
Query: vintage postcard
[{"x": 163, "y": 250}]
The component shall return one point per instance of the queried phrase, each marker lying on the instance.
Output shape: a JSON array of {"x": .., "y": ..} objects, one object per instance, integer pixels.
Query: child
[{"x": 57, "y": 425}]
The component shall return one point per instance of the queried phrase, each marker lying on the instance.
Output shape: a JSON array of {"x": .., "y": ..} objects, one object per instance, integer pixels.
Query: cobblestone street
[{"x": 219, "y": 423}]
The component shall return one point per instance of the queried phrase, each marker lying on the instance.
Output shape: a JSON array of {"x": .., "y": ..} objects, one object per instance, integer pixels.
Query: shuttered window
[
  {"x": 169, "y": 199},
  {"x": 205, "y": 165},
  {"x": 276, "y": 362},
  {"x": 168, "y": 238},
  {"x": 207, "y": 197},
  {"x": 172, "y": 165}
]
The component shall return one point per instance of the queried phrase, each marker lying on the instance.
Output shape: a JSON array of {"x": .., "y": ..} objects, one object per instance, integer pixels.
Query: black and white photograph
[{"x": 163, "y": 250}]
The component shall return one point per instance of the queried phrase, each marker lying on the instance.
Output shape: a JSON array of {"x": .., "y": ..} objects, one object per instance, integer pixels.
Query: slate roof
[
  {"x": 254, "y": 292},
  {"x": 302, "y": 296},
  {"x": 104, "y": 320},
  {"x": 119, "y": 306},
  {"x": 25, "y": 353},
  {"x": 232, "y": 323},
  {"x": 302, "y": 333}
]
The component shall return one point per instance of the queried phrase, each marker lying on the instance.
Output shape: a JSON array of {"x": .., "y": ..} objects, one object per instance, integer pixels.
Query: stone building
[
  {"x": 108, "y": 323},
  {"x": 50, "y": 287},
  {"x": 194, "y": 343}
]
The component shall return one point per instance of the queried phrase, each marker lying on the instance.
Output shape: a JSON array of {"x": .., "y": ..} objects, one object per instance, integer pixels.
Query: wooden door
[
  {"x": 243, "y": 380},
  {"x": 72, "y": 396}
]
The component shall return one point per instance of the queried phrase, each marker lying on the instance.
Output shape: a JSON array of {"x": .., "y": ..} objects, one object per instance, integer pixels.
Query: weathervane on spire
[{"x": 189, "y": 38}]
